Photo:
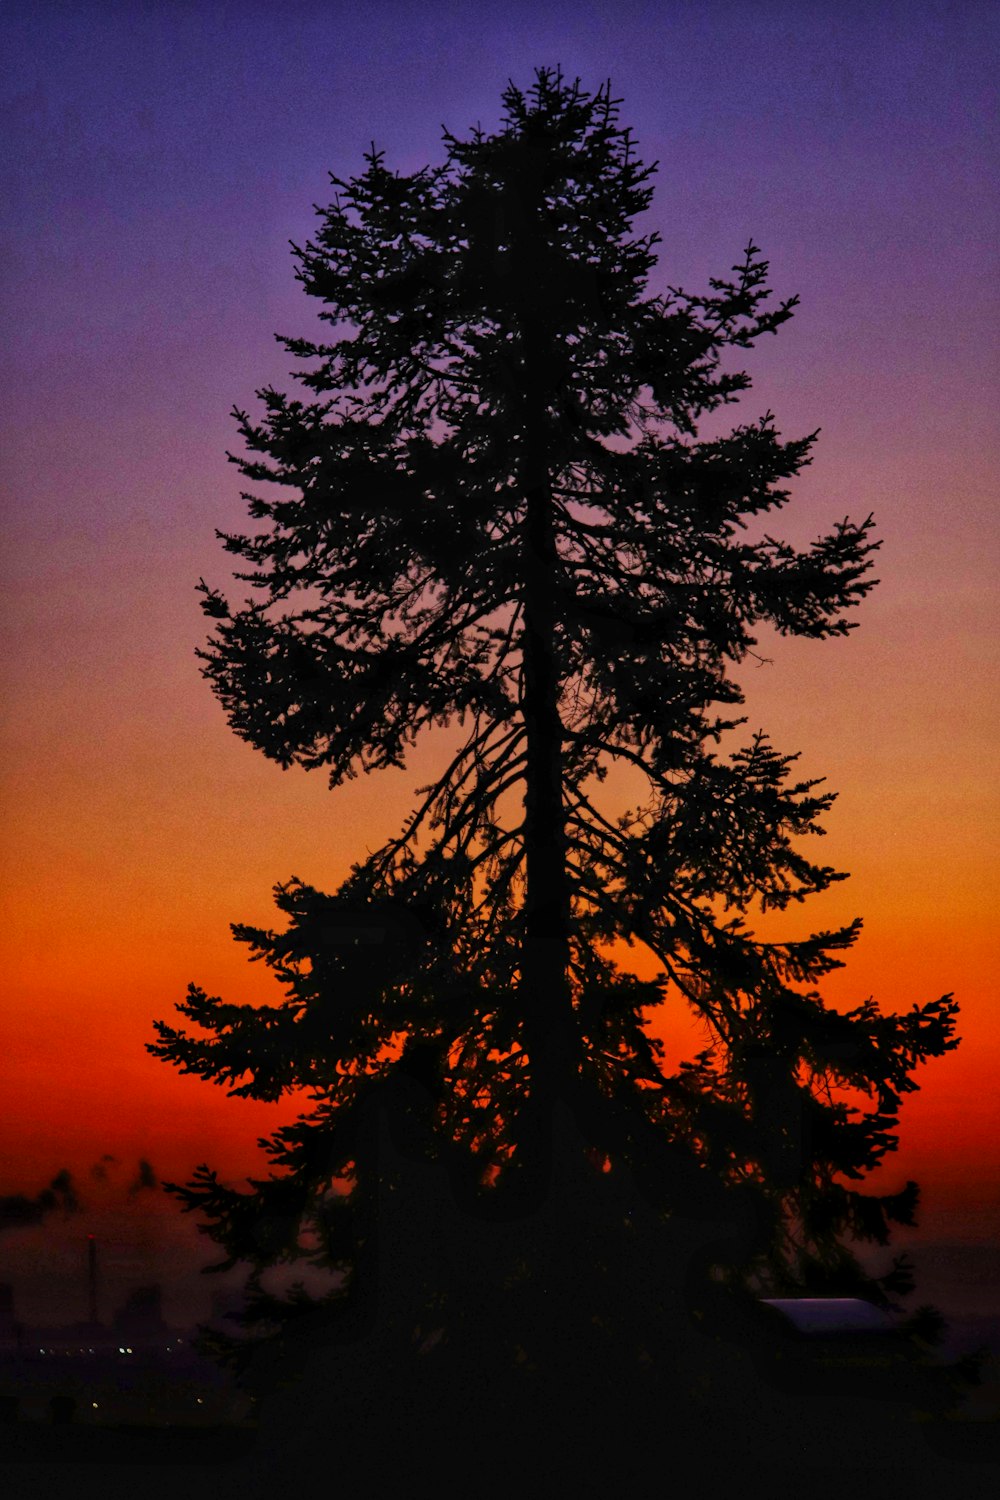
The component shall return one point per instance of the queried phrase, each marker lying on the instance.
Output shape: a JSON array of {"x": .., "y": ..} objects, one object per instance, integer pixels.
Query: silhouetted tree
[
  {"x": 17, "y": 1210},
  {"x": 496, "y": 510}
]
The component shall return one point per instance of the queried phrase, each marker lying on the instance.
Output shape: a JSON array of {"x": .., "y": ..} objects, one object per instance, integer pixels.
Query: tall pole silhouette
[{"x": 92, "y": 1277}]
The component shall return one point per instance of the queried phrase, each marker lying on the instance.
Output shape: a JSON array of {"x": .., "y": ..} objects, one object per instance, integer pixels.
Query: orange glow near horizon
[{"x": 149, "y": 828}]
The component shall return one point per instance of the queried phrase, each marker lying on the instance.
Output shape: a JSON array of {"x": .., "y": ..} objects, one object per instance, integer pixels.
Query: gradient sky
[{"x": 158, "y": 159}]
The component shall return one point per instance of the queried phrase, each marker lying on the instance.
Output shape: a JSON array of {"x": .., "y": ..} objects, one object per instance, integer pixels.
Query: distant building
[
  {"x": 225, "y": 1301},
  {"x": 9, "y": 1329},
  {"x": 816, "y": 1316},
  {"x": 141, "y": 1318}
]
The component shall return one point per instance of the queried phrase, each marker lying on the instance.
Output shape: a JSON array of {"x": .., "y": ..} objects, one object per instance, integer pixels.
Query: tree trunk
[{"x": 545, "y": 959}]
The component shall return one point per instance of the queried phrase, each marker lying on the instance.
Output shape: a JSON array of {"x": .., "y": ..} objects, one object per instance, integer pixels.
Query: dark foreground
[
  {"x": 935, "y": 1459},
  {"x": 747, "y": 1427},
  {"x": 578, "y": 1352}
]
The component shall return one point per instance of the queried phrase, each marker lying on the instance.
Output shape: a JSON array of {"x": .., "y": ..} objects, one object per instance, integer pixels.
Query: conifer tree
[{"x": 494, "y": 507}]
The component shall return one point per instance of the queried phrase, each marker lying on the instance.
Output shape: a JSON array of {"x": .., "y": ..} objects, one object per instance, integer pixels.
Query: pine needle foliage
[{"x": 493, "y": 506}]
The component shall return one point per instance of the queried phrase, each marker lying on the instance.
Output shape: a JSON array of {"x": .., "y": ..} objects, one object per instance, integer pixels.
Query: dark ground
[
  {"x": 792, "y": 1437},
  {"x": 692, "y": 1397}
]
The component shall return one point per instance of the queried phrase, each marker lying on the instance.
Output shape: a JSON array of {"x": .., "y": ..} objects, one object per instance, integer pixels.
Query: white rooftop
[{"x": 831, "y": 1314}]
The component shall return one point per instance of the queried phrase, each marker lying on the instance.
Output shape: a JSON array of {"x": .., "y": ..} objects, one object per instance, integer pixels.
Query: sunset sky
[{"x": 158, "y": 160}]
